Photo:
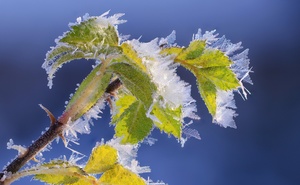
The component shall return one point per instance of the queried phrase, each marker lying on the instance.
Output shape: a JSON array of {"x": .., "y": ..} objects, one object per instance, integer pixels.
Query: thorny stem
[{"x": 38, "y": 145}]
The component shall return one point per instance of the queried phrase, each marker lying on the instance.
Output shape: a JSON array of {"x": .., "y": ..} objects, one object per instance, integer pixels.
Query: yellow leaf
[
  {"x": 121, "y": 176},
  {"x": 103, "y": 158}
]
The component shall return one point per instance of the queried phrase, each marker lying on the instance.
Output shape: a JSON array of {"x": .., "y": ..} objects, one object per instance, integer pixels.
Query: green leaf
[
  {"x": 169, "y": 119},
  {"x": 211, "y": 68},
  {"x": 136, "y": 81},
  {"x": 90, "y": 34},
  {"x": 132, "y": 124},
  {"x": 60, "y": 172},
  {"x": 102, "y": 158},
  {"x": 121, "y": 176},
  {"x": 88, "y": 93}
]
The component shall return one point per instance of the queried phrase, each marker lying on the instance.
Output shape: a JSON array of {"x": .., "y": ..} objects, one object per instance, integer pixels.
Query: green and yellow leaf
[
  {"x": 132, "y": 124},
  {"x": 102, "y": 158},
  {"x": 211, "y": 68},
  {"x": 121, "y": 176},
  {"x": 169, "y": 119}
]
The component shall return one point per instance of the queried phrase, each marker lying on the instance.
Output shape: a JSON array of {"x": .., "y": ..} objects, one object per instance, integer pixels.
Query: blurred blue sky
[{"x": 265, "y": 149}]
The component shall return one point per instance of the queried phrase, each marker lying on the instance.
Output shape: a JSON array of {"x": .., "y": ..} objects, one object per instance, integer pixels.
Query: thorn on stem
[{"x": 51, "y": 116}]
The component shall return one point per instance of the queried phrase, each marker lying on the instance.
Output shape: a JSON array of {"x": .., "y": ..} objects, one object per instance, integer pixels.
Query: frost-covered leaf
[
  {"x": 211, "y": 68},
  {"x": 87, "y": 94},
  {"x": 136, "y": 81},
  {"x": 55, "y": 52},
  {"x": 92, "y": 38},
  {"x": 60, "y": 172},
  {"x": 132, "y": 124},
  {"x": 89, "y": 34},
  {"x": 102, "y": 158},
  {"x": 168, "y": 119},
  {"x": 121, "y": 176}
]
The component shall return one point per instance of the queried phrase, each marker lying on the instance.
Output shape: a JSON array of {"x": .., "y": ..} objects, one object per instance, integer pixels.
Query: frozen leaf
[
  {"x": 89, "y": 34},
  {"x": 121, "y": 176},
  {"x": 102, "y": 158},
  {"x": 136, "y": 81},
  {"x": 60, "y": 172},
  {"x": 88, "y": 39},
  {"x": 169, "y": 120},
  {"x": 57, "y": 51},
  {"x": 211, "y": 68},
  {"x": 132, "y": 125},
  {"x": 87, "y": 94}
]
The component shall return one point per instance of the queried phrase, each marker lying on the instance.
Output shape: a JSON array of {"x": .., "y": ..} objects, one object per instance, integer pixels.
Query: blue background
[{"x": 265, "y": 149}]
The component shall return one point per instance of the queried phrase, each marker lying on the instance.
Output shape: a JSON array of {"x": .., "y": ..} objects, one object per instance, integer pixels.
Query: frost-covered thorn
[{"x": 51, "y": 116}]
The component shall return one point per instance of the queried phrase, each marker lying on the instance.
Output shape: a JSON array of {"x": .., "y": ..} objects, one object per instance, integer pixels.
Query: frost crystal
[
  {"x": 169, "y": 40},
  {"x": 225, "y": 109},
  {"x": 171, "y": 88},
  {"x": 150, "y": 182},
  {"x": 191, "y": 133},
  {"x": 127, "y": 154},
  {"x": 82, "y": 125}
]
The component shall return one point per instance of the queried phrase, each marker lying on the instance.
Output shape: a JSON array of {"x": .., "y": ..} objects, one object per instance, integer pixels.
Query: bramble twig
[{"x": 54, "y": 131}]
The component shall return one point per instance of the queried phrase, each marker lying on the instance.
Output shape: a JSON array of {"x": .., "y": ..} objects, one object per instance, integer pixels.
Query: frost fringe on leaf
[
  {"x": 170, "y": 87},
  {"x": 225, "y": 101},
  {"x": 70, "y": 52},
  {"x": 82, "y": 125}
]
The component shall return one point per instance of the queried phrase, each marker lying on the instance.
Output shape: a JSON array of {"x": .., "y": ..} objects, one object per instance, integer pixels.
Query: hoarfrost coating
[
  {"x": 174, "y": 91},
  {"x": 52, "y": 63},
  {"x": 225, "y": 102}
]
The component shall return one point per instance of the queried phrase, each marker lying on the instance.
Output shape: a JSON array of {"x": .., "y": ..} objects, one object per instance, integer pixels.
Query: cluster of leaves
[
  {"x": 103, "y": 161},
  {"x": 150, "y": 93},
  {"x": 140, "y": 104}
]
